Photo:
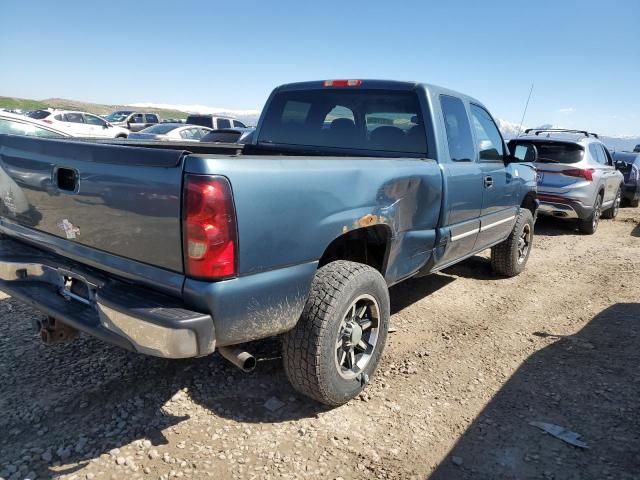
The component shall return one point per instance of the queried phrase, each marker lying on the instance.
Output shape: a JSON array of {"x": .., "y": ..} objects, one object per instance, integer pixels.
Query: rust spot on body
[{"x": 368, "y": 220}]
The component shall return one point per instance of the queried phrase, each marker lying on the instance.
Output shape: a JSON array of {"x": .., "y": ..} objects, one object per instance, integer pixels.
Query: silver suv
[{"x": 576, "y": 176}]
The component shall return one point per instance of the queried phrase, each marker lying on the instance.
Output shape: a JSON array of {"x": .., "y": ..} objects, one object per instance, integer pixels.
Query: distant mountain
[{"x": 510, "y": 130}]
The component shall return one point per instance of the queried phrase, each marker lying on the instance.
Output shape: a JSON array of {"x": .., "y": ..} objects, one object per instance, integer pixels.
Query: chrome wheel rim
[
  {"x": 616, "y": 205},
  {"x": 524, "y": 243},
  {"x": 357, "y": 337}
]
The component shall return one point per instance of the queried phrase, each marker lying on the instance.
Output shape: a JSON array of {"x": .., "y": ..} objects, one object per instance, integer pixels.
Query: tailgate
[{"x": 121, "y": 200}]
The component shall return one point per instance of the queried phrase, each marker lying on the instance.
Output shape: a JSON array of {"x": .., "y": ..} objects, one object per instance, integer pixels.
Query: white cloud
[
  {"x": 203, "y": 109},
  {"x": 567, "y": 110}
]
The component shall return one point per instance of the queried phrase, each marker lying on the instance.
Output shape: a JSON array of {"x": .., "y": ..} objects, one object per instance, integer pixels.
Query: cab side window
[
  {"x": 490, "y": 144},
  {"x": 458, "y": 129},
  {"x": 137, "y": 118}
]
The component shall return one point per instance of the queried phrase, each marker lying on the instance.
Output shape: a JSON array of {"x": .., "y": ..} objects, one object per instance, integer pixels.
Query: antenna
[{"x": 525, "y": 111}]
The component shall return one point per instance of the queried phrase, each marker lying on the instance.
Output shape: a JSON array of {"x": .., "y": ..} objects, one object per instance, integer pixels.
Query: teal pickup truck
[{"x": 345, "y": 188}]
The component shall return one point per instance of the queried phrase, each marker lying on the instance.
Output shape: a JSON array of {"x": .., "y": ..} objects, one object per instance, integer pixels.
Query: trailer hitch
[{"x": 53, "y": 331}]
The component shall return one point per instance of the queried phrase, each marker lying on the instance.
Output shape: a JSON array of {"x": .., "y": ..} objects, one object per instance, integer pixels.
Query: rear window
[
  {"x": 202, "y": 120},
  {"x": 554, "y": 152},
  {"x": 39, "y": 114},
  {"x": 376, "y": 120}
]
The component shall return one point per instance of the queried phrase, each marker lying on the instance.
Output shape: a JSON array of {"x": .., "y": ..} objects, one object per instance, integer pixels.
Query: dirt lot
[{"x": 473, "y": 361}]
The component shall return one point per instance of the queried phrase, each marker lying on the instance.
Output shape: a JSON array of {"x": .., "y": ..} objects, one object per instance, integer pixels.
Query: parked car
[
  {"x": 629, "y": 165},
  {"x": 576, "y": 176},
  {"x": 637, "y": 149},
  {"x": 229, "y": 135},
  {"x": 133, "y": 121},
  {"x": 15, "y": 124},
  {"x": 299, "y": 235},
  {"x": 214, "y": 122},
  {"x": 171, "y": 132},
  {"x": 79, "y": 124}
]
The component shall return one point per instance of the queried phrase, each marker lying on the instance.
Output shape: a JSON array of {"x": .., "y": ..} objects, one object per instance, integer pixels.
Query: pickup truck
[{"x": 346, "y": 188}]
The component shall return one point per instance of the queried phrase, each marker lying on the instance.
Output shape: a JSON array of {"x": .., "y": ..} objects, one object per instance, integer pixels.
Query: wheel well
[
  {"x": 530, "y": 203},
  {"x": 367, "y": 245}
]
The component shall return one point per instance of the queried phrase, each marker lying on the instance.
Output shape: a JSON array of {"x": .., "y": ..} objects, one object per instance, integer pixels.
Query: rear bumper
[
  {"x": 557, "y": 206},
  {"x": 114, "y": 311}
]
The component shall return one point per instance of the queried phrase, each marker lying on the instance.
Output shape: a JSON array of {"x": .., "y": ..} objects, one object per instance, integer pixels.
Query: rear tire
[
  {"x": 634, "y": 203},
  {"x": 612, "y": 212},
  {"x": 509, "y": 258},
  {"x": 347, "y": 311},
  {"x": 590, "y": 224}
]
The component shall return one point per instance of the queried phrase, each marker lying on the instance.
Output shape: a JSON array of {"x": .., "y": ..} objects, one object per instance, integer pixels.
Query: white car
[
  {"x": 79, "y": 124},
  {"x": 171, "y": 132}
]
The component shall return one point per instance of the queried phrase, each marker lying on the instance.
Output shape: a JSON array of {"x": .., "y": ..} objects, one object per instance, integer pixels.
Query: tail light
[
  {"x": 586, "y": 173},
  {"x": 342, "y": 83},
  {"x": 209, "y": 228}
]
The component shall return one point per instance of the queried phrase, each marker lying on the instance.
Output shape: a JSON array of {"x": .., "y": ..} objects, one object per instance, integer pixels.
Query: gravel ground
[{"x": 473, "y": 360}]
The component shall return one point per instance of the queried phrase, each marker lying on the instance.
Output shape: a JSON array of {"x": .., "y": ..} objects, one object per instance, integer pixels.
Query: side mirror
[{"x": 524, "y": 153}]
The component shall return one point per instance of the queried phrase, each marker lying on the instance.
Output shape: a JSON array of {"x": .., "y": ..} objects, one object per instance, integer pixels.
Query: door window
[
  {"x": 488, "y": 138},
  {"x": 137, "y": 118},
  {"x": 189, "y": 134},
  {"x": 458, "y": 129},
  {"x": 93, "y": 120},
  {"x": 73, "y": 117},
  {"x": 238, "y": 124},
  {"x": 224, "y": 123},
  {"x": 152, "y": 118}
]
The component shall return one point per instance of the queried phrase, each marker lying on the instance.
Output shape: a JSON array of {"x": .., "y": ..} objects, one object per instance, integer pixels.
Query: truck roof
[{"x": 380, "y": 85}]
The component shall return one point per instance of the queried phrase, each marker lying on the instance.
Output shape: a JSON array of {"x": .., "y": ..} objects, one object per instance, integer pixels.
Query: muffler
[
  {"x": 53, "y": 331},
  {"x": 241, "y": 359}
]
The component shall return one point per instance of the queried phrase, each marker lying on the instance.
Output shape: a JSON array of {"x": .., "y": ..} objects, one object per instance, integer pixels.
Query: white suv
[{"x": 79, "y": 124}]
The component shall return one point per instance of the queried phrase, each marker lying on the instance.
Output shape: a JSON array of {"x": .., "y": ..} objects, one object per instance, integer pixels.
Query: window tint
[
  {"x": 137, "y": 118},
  {"x": 159, "y": 129},
  {"x": 152, "y": 118},
  {"x": 73, "y": 117},
  {"x": 93, "y": 120},
  {"x": 203, "y": 120},
  {"x": 458, "y": 129},
  {"x": 488, "y": 136},
  {"x": 607, "y": 156},
  {"x": 224, "y": 123},
  {"x": 377, "y": 120},
  {"x": 59, "y": 117},
  {"x": 238, "y": 124},
  {"x": 553, "y": 152},
  {"x": 18, "y": 128}
]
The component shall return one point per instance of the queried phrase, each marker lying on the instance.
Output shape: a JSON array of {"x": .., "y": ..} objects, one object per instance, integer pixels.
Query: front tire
[
  {"x": 335, "y": 348},
  {"x": 510, "y": 257},
  {"x": 612, "y": 212}
]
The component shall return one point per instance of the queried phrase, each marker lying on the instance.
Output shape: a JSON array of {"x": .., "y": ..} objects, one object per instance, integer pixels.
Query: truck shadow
[
  {"x": 636, "y": 231},
  {"x": 587, "y": 383},
  {"x": 553, "y": 227},
  {"x": 68, "y": 404}
]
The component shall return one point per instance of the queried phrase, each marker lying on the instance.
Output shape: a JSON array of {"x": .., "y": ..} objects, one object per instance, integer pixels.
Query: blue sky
[{"x": 583, "y": 56}]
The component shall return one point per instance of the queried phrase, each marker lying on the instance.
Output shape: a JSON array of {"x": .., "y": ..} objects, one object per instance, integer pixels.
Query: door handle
[{"x": 488, "y": 182}]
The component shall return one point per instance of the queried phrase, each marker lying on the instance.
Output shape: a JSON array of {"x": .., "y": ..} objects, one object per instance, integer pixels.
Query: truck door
[
  {"x": 463, "y": 186},
  {"x": 499, "y": 181}
]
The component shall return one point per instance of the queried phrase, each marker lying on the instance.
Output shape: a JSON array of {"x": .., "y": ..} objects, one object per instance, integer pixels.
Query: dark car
[
  {"x": 637, "y": 149},
  {"x": 629, "y": 164},
  {"x": 134, "y": 121}
]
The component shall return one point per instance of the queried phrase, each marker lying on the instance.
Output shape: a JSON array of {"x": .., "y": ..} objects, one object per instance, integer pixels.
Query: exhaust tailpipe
[{"x": 241, "y": 359}]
